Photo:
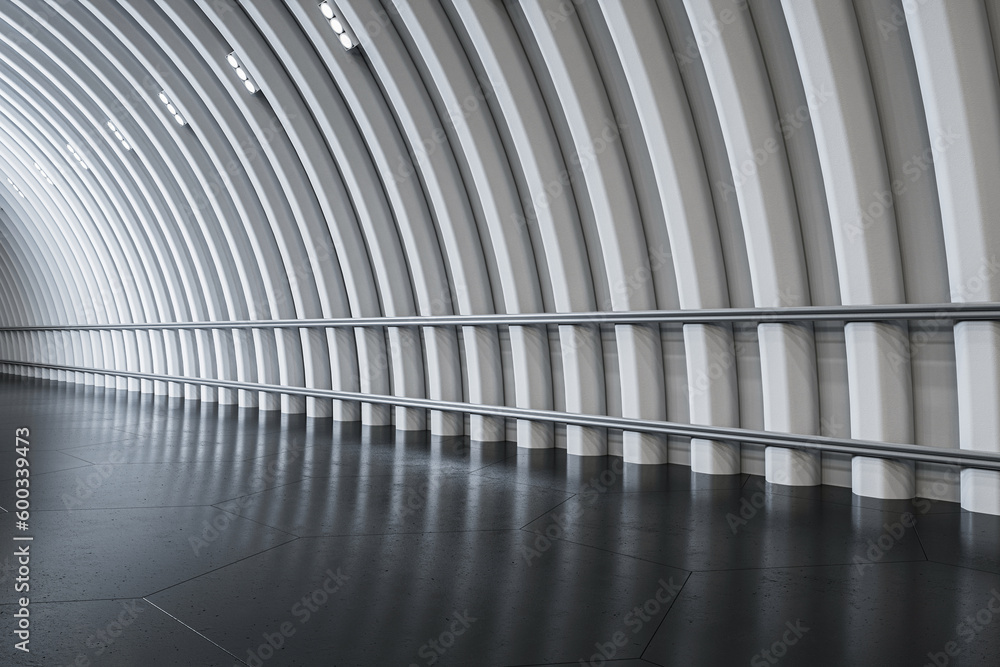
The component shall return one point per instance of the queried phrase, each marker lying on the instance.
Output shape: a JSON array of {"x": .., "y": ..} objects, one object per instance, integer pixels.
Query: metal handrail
[
  {"x": 872, "y": 448},
  {"x": 875, "y": 313}
]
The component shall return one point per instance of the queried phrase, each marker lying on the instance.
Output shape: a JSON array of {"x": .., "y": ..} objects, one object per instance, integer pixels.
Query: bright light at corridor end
[{"x": 337, "y": 23}]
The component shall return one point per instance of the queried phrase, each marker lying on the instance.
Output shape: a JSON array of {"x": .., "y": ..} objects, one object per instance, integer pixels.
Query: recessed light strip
[
  {"x": 16, "y": 189},
  {"x": 72, "y": 150},
  {"x": 41, "y": 171},
  {"x": 338, "y": 25},
  {"x": 171, "y": 108},
  {"x": 118, "y": 135},
  {"x": 242, "y": 74}
]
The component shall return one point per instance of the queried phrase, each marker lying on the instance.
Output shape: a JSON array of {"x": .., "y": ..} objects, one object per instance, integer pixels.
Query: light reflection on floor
[{"x": 172, "y": 533}]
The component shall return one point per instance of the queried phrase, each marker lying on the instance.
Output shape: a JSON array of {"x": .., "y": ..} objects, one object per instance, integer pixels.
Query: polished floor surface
[{"x": 169, "y": 533}]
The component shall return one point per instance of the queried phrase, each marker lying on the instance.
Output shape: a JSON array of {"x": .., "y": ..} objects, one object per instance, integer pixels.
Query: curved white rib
[{"x": 519, "y": 157}]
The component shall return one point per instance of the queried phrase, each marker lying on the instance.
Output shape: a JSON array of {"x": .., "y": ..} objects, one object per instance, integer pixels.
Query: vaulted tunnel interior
[{"x": 763, "y": 234}]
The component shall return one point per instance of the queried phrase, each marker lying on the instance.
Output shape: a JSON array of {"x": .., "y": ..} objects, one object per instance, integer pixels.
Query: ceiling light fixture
[
  {"x": 76, "y": 155},
  {"x": 118, "y": 135},
  {"x": 337, "y": 23},
  {"x": 41, "y": 171},
  {"x": 172, "y": 109},
  {"x": 16, "y": 189},
  {"x": 242, "y": 74}
]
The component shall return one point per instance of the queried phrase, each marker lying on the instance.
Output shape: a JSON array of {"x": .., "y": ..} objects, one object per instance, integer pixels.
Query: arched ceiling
[{"x": 538, "y": 156}]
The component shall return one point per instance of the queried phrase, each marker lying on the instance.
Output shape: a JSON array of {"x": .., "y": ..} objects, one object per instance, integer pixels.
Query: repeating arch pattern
[{"x": 511, "y": 157}]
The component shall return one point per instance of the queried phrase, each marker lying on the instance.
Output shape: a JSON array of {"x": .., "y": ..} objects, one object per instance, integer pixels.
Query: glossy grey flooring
[{"x": 169, "y": 533}]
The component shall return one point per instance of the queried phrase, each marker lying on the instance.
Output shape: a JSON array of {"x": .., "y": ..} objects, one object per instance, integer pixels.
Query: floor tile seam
[
  {"x": 846, "y": 504},
  {"x": 440, "y": 532},
  {"x": 112, "y": 509},
  {"x": 259, "y": 523},
  {"x": 191, "y": 629},
  {"x": 189, "y": 462},
  {"x": 540, "y": 487},
  {"x": 563, "y": 662},
  {"x": 166, "y": 463},
  {"x": 35, "y": 601},
  {"x": 278, "y": 453},
  {"x": 489, "y": 465},
  {"x": 602, "y": 493},
  {"x": 365, "y": 476},
  {"x": 809, "y": 566},
  {"x": 687, "y": 578},
  {"x": 965, "y": 567},
  {"x": 54, "y": 472},
  {"x": 51, "y": 472},
  {"x": 407, "y": 532},
  {"x": 920, "y": 542},
  {"x": 78, "y": 458},
  {"x": 841, "y": 503},
  {"x": 220, "y": 567},
  {"x": 550, "y": 510},
  {"x": 525, "y": 484},
  {"x": 321, "y": 477},
  {"x": 451, "y": 475},
  {"x": 254, "y": 493},
  {"x": 67, "y": 450},
  {"x": 617, "y": 553}
]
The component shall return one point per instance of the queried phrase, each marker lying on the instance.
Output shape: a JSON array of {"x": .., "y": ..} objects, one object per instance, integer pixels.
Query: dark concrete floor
[{"x": 168, "y": 533}]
